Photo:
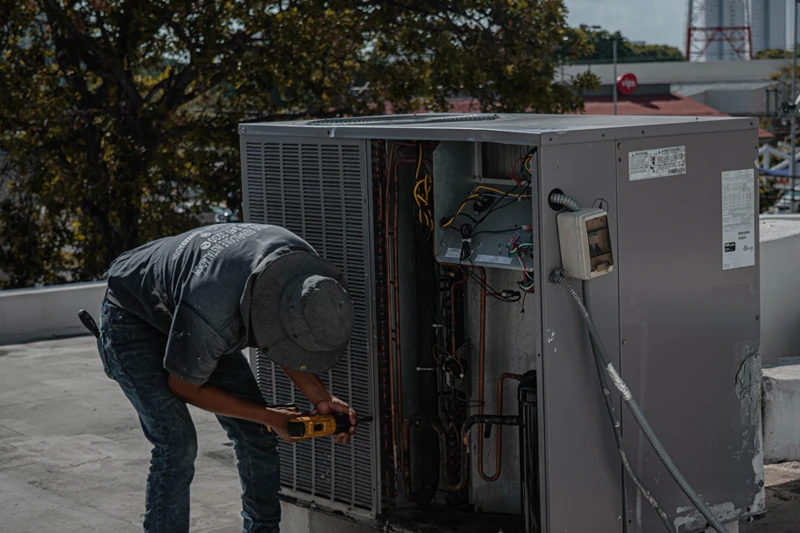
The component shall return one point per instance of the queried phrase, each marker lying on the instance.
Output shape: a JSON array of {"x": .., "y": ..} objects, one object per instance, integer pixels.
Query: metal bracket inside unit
[{"x": 483, "y": 230}]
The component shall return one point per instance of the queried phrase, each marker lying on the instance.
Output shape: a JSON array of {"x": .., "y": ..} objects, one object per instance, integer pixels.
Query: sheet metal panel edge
[
  {"x": 507, "y": 128},
  {"x": 582, "y": 472},
  {"x": 690, "y": 329}
]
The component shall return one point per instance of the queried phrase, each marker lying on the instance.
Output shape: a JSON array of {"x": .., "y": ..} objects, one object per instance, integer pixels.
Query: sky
[{"x": 653, "y": 21}]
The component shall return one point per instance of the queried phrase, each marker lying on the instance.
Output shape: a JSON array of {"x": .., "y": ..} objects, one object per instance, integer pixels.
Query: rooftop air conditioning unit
[{"x": 453, "y": 231}]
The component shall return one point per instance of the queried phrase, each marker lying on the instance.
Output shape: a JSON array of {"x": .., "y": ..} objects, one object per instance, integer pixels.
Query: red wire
[{"x": 513, "y": 177}]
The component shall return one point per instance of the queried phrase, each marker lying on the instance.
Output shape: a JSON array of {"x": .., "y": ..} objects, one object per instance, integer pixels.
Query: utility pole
[
  {"x": 793, "y": 105},
  {"x": 614, "y": 81}
]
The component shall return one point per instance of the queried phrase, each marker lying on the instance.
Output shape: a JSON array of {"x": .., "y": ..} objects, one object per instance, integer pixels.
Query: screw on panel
[
  {"x": 619, "y": 146},
  {"x": 244, "y": 130},
  {"x": 624, "y": 342},
  {"x": 758, "y": 317}
]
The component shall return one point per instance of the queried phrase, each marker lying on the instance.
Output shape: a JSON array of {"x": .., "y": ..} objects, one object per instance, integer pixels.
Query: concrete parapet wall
[
  {"x": 47, "y": 312},
  {"x": 780, "y": 286},
  {"x": 781, "y": 403}
]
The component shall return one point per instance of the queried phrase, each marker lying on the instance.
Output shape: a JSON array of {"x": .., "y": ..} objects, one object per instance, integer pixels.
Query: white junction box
[{"x": 585, "y": 243}]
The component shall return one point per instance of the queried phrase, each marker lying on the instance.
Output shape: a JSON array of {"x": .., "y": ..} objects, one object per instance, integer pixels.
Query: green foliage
[
  {"x": 603, "y": 49},
  {"x": 115, "y": 111},
  {"x": 773, "y": 53}
]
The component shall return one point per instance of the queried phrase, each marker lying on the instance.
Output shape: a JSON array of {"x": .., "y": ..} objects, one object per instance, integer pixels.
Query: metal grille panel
[{"x": 320, "y": 190}]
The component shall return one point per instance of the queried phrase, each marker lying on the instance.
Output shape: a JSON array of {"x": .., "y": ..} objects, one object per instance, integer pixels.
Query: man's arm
[
  {"x": 323, "y": 401},
  {"x": 220, "y": 402}
]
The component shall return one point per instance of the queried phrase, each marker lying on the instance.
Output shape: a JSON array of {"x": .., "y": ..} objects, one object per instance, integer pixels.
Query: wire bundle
[
  {"x": 481, "y": 192},
  {"x": 515, "y": 247},
  {"x": 526, "y": 165},
  {"x": 423, "y": 183}
]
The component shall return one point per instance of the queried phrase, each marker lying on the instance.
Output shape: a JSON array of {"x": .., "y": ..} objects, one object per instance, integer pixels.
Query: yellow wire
[
  {"x": 464, "y": 203},
  {"x": 498, "y": 191},
  {"x": 423, "y": 202},
  {"x": 417, "y": 196}
]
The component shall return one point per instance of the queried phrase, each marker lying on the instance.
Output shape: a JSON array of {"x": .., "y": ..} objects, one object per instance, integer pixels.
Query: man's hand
[
  {"x": 335, "y": 405},
  {"x": 323, "y": 401},
  {"x": 278, "y": 419}
]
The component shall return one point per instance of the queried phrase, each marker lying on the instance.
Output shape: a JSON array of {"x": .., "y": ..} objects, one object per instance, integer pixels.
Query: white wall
[
  {"x": 684, "y": 72},
  {"x": 46, "y": 312},
  {"x": 780, "y": 286},
  {"x": 736, "y": 102}
]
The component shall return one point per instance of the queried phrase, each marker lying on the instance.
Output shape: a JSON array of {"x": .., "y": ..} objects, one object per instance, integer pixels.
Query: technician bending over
[{"x": 177, "y": 314}]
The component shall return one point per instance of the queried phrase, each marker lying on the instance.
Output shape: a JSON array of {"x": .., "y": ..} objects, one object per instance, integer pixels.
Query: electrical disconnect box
[
  {"x": 505, "y": 270},
  {"x": 585, "y": 243}
]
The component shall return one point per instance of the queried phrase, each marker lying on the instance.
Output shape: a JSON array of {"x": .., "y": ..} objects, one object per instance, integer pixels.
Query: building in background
[
  {"x": 737, "y": 88},
  {"x": 768, "y": 24}
]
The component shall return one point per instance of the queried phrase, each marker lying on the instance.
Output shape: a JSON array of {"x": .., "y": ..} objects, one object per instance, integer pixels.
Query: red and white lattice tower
[{"x": 718, "y": 29}]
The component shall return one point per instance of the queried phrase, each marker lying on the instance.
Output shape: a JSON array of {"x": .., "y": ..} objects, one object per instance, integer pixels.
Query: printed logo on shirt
[
  {"x": 184, "y": 243},
  {"x": 216, "y": 242}
]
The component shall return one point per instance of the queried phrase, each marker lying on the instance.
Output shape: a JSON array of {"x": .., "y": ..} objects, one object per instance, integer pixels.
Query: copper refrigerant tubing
[
  {"x": 405, "y": 456},
  {"x": 498, "y": 451},
  {"x": 481, "y": 368},
  {"x": 393, "y": 281}
]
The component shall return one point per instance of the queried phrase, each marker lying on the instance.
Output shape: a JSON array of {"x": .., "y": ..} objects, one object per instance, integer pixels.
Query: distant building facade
[
  {"x": 768, "y": 24},
  {"x": 723, "y": 13}
]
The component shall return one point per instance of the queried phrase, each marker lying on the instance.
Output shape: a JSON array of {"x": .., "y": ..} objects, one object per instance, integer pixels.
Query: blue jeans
[{"x": 132, "y": 352}]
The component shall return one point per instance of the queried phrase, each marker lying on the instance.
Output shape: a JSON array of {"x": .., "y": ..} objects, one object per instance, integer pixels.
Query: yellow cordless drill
[{"x": 312, "y": 426}]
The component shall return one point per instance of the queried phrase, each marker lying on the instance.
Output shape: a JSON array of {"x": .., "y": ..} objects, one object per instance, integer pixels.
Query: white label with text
[
  {"x": 659, "y": 163},
  {"x": 738, "y": 219}
]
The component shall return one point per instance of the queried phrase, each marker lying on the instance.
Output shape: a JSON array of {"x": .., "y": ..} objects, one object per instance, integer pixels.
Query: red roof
[{"x": 656, "y": 104}]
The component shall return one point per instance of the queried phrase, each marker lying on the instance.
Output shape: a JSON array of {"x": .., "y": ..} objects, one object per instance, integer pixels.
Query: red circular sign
[{"x": 627, "y": 83}]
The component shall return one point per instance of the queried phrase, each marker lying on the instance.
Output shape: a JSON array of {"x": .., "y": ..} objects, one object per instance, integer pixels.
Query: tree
[
  {"x": 116, "y": 111},
  {"x": 783, "y": 91},
  {"x": 603, "y": 42}
]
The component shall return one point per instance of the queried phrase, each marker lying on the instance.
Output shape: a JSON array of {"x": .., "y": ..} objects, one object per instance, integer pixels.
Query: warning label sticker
[
  {"x": 497, "y": 259},
  {"x": 453, "y": 253},
  {"x": 659, "y": 163},
  {"x": 738, "y": 219}
]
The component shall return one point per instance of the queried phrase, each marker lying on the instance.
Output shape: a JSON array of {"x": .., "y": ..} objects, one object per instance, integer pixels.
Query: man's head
[{"x": 300, "y": 313}]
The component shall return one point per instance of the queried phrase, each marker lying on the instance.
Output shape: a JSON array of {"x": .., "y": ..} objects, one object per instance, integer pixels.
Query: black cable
[
  {"x": 496, "y": 206},
  {"x": 490, "y": 291},
  {"x": 507, "y": 230}
]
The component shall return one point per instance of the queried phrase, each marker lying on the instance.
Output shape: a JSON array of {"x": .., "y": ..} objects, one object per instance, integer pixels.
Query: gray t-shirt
[{"x": 195, "y": 288}]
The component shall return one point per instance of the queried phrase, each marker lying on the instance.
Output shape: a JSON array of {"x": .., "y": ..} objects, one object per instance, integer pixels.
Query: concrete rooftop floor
[{"x": 73, "y": 458}]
